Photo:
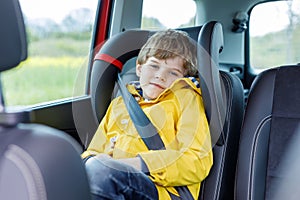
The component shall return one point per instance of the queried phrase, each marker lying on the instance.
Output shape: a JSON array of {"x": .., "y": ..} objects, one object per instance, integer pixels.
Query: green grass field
[{"x": 41, "y": 79}]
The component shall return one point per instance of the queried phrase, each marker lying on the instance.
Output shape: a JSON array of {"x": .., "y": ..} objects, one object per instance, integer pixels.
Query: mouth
[{"x": 157, "y": 85}]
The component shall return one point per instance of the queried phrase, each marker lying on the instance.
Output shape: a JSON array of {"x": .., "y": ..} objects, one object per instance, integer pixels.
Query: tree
[
  {"x": 151, "y": 22},
  {"x": 41, "y": 28},
  {"x": 191, "y": 22},
  {"x": 289, "y": 31},
  {"x": 78, "y": 21}
]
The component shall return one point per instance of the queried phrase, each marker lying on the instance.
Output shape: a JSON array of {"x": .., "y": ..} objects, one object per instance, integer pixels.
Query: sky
[
  {"x": 43, "y": 10},
  {"x": 273, "y": 19},
  {"x": 154, "y": 6},
  {"x": 182, "y": 10},
  {"x": 165, "y": 10}
]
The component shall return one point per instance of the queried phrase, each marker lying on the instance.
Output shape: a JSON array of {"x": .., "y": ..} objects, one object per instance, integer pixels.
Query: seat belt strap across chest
[{"x": 143, "y": 125}]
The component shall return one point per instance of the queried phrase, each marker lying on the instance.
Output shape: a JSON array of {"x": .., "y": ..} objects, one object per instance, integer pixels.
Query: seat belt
[
  {"x": 143, "y": 125},
  {"x": 146, "y": 130}
]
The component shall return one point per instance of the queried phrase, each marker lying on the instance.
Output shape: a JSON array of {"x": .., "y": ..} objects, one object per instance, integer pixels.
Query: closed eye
[
  {"x": 176, "y": 73},
  {"x": 154, "y": 66}
]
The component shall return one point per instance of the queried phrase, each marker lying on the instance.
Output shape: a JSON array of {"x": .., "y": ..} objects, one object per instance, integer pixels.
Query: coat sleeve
[
  {"x": 191, "y": 160},
  {"x": 100, "y": 141}
]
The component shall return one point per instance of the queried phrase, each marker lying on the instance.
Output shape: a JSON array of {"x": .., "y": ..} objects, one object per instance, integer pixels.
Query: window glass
[
  {"x": 58, "y": 36},
  {"x": 159, "y": 14},
  {"x": 275, "y": 34}
]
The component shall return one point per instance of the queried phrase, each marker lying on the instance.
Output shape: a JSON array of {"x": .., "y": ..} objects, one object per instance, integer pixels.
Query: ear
[{"x": 138, "y": 69}]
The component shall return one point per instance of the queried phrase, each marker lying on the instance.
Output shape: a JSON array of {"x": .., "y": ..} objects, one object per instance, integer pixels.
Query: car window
[
  {"x": 159, "y": 14},
  {"x": 274, "y": 34},
  {"x": 58, "y": 35}
]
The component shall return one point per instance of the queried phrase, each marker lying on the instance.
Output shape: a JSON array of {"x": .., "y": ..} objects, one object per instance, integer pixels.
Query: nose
[{"x": 160, "y": 75}]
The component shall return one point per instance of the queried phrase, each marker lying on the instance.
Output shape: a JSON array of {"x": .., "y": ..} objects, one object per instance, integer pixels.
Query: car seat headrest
[
  {"x": 210, "y": 46},
  {"x": 123, "y": 46},
  {"x": 109, "y": 61},
  {"x": 13, "y": 44}
]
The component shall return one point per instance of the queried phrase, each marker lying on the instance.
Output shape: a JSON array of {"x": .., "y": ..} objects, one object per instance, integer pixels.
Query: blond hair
[{"x": 169, "y": 44}]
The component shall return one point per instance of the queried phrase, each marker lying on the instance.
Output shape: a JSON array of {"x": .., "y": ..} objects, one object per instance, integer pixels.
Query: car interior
[{"x": 253, "y": 113}]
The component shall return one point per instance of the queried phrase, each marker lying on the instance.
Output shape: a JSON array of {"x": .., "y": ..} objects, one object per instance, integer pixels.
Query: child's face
[{"x": 157, "y": 75}]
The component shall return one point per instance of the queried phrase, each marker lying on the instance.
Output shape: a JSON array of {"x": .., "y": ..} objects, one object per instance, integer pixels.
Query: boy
[{"x": 119, "y": 164}]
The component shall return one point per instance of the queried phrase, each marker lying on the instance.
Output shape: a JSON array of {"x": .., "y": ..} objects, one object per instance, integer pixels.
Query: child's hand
[
  {"x": 134, "y": 162},
  {"x": 102, "y": 156}
]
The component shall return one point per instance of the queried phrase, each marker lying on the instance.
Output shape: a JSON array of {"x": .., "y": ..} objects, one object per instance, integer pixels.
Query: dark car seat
[
  {"x": 223, "y": 97},
  {"x": 36, "y": 162},
  {"x": 268, "y": 160},
  {"x": 222, "y": 93}
]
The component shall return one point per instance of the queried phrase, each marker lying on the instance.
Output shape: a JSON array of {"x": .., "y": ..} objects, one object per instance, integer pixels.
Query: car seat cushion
[{"x": 285, "y": 128}]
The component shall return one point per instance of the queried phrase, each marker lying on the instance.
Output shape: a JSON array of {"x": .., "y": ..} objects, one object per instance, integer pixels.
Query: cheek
[
  {"x": 145, "y": 74},
  {"x": 144, "y": 80},
  {"x": 171, "y": 80}
]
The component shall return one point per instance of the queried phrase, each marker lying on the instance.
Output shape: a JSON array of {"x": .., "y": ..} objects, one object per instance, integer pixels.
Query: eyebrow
[{"x": 155, "y": 60}]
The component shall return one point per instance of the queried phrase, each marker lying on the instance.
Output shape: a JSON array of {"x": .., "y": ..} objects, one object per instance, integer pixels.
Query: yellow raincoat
[{"x": 179, "y": 116}]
